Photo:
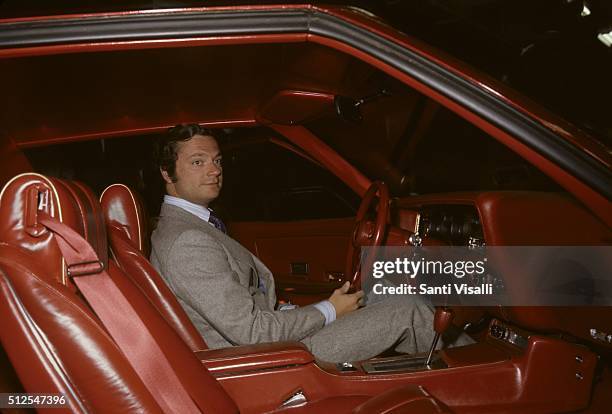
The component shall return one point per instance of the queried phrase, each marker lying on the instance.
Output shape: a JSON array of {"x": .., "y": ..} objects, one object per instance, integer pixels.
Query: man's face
[{"x": 199, "y": 174}]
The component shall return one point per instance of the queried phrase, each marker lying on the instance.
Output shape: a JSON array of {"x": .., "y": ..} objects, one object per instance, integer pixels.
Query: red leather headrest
[
  {"x": 123, "y": 210},
  {"x": 27, "y": 197}
]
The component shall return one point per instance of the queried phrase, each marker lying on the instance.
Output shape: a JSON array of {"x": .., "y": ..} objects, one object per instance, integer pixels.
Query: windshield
[
  {"x": 558, "y": 53},
  {"x": 418, "y": 146}
]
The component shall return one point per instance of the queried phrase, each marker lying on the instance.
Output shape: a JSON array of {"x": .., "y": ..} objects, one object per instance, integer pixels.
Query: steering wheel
[{"x": 367, "y": 232}]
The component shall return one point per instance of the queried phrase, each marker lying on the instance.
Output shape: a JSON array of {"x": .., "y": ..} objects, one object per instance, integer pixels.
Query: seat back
[
  {"x": 53, "y": 339},
  {"x": 124, "y": 211},
  {"x": 125, "y": 220}
]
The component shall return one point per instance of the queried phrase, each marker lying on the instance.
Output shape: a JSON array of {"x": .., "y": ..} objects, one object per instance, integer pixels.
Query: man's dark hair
[{"x": 166, "y": 147}]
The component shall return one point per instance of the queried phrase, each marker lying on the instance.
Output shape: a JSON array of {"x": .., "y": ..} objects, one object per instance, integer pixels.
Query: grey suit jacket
[{"x": 216, "y": 281}]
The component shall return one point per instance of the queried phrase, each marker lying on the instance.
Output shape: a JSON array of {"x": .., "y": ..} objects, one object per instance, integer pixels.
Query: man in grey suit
[{"x": 228, "y": 293}]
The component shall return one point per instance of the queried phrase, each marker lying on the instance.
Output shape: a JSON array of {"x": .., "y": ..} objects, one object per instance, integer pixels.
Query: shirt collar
[{"x": 195, "y": 209}]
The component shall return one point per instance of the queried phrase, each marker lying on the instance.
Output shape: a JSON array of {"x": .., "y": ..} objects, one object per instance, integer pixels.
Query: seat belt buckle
[{"x": 85, "y": 268}]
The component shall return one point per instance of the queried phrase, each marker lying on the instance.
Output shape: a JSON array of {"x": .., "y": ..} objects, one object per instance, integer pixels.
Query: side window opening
[
  {"x": 99, "y": 163},
  {"x": 265, "y": 182}
]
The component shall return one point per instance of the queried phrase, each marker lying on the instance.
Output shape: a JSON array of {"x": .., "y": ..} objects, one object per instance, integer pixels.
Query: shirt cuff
[{"x": 327, "y": 309}]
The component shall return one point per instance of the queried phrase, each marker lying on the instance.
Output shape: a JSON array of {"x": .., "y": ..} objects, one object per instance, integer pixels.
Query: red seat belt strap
[{"x": 121, "y": 320}]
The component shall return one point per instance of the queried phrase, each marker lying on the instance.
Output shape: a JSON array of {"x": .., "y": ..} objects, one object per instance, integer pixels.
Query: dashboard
[
  {"x": 453, "y": 224},
  {"x": 514, "y": 218}
]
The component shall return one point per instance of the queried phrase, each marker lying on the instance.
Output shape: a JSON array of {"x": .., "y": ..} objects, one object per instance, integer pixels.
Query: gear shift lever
[{"x": 442, "y": 321}]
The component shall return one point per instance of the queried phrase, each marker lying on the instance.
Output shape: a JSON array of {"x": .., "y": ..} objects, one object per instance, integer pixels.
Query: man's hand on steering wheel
[{"x": 345, "y": 302}]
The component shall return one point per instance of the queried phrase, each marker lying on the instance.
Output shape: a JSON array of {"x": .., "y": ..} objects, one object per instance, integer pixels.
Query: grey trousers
[{"x": 403, "y": 323}]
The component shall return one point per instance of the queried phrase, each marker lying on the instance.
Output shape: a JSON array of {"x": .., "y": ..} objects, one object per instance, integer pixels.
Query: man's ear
[{"x": 165, "y": 176}]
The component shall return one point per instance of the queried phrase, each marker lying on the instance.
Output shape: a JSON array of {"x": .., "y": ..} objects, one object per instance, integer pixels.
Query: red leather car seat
[
  {"x": 63, "y": 335},
  {"x": 126, "y": 226},
  {"x": 57, "y": 344}
]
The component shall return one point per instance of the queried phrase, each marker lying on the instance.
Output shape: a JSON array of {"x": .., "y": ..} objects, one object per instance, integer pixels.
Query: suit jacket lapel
[
  {"x": 265, "y": 274},
  {"x": 248, "y": 274}
]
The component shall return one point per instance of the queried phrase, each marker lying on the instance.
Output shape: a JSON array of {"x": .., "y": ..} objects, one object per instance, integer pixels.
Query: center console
[
  {"x": 508, "y": 369},
  {"x": 250, "y": 358}
]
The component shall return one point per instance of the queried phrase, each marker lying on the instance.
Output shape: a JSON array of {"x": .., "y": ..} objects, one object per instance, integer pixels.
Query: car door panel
[{"x": 306, "y": 257}]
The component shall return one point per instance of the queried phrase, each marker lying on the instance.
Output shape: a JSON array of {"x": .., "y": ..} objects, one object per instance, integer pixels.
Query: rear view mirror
[{"x": 349, "y": 109}]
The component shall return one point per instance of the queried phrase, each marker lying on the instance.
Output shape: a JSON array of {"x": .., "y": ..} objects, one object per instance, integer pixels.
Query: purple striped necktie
[{"x": 216, "y": 221}]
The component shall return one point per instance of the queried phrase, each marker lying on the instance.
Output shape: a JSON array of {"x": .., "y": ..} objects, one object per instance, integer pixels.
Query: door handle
[{"x": 299, "y": 268}]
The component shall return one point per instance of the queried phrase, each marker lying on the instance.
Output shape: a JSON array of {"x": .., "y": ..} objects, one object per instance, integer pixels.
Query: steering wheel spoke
[{"x": 367, "y": 232}]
